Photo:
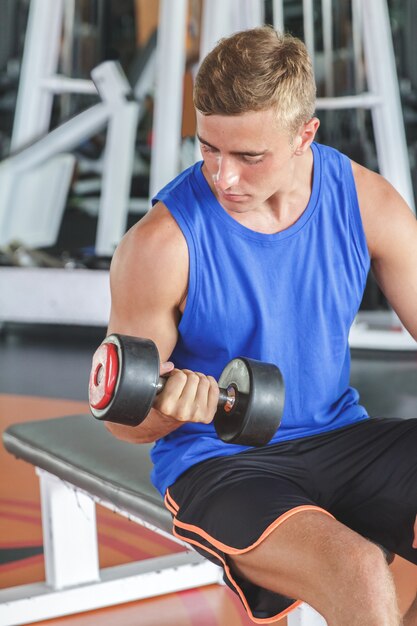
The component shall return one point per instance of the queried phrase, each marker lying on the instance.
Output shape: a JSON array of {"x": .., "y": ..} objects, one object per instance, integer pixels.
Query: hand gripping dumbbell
[{"x": 125, "y": 379}]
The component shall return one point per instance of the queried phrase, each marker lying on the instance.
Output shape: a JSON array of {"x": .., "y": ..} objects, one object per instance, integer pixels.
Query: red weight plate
[{"x": 103, "y": 377}]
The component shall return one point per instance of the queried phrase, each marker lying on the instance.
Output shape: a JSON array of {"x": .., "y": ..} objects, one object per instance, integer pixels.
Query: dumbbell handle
[{"x": 227, "y": 397}]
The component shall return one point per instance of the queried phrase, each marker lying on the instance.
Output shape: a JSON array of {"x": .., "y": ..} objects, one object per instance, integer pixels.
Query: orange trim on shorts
[
  {"x": 239, "y": 591},
  {"x": 170, "y": 503},
  {"x": 224, "y": 547}
]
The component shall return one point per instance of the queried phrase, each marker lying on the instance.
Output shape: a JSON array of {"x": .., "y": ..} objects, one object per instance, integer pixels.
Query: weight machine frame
[{"x": 39, "y": 82}]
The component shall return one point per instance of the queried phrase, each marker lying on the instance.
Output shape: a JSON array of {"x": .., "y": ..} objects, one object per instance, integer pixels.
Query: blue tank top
[{"x": 287, "y": 298}]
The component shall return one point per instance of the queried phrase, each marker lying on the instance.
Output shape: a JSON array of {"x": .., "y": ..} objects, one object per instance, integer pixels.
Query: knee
[
  {"x": 364, "y": 569},
  {"x": 369, "y": 565},
  {"x": 364, "y": 586}
]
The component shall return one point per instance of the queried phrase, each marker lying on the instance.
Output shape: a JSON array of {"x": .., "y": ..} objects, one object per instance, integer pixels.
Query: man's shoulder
[
  {"x": 151, "y": 250},
  {"x": 157, "y": 231}
]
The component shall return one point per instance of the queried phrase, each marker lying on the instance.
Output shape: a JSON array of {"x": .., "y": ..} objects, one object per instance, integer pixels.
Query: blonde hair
[{"x": 255, "y": 70}]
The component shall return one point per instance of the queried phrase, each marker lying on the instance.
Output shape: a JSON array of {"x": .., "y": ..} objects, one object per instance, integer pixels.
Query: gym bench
[{"x": 80, "y": 464}]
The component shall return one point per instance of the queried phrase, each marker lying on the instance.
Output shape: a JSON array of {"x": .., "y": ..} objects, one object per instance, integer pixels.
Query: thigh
[
  {"x": 377, "y": 495},
  {"x": 315, "y": 558},
  {"x": 229, "y": 506}
]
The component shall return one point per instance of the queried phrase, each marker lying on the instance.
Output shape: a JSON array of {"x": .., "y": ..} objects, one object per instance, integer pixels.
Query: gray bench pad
[{"x": 79, "y": 450}]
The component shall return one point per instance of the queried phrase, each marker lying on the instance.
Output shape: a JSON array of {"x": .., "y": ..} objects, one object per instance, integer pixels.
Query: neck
[
  {"x": 286, "y": 205},
  {"x": 290, "y": 201}
]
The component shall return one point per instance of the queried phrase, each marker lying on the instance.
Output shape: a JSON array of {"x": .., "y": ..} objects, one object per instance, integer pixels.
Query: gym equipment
[
  {"x": 125, "y": 379},
  {"x": 42, "y": 160}
]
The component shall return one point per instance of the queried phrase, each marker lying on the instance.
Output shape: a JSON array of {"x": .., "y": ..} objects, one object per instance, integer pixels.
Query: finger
[
  {"x": 214, "y": 392},
  {"x": 205, "y": 399},
  {"x": 175, "y": 381},
  {"x": 166, "y": 401},
  {"x": 187, "y": 402}
]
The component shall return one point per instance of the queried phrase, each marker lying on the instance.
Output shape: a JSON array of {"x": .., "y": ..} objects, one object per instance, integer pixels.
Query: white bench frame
[{"x": 74, "y": 581}]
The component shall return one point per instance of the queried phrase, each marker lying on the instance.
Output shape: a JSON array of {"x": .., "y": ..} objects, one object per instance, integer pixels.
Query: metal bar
[
  {"x": 308, "y": 25},
  {"x": 363, "y": 101},
  {"x": 62, "y": 84},
  {"x": 124, "y": 583},
  {"x": 246, "y": 14},
  {"x": 40, "y": 60},
  {"x": 215, "y": 24},
  {"x": 327, "y": 24},
  {"x": 61, "y": 139},
  {"x": 358, "y": 64},
  {"x": 119, "y": 153},
  {"x": 117, "y": 176},
  {"x": 278, "y": 15},
  {"x": 388, "y": 121},
  {"x": 168, "y": 94},
  {"x": 357, "y": 29},
  {"x": 67, "y": 53}
]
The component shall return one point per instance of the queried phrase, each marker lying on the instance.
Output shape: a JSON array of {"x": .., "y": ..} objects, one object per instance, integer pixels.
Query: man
[{"x": 263, "y": 251}]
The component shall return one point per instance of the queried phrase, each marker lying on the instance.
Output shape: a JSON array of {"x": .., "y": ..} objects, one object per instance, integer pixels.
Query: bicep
[{"x": 148, "y": 277}]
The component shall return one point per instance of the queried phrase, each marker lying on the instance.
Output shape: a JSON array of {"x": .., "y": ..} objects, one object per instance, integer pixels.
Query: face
[{"x": 248, "y": 159}]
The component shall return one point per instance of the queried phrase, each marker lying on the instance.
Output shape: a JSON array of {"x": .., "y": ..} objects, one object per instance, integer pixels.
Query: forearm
[{"x": 155, "y": 426}]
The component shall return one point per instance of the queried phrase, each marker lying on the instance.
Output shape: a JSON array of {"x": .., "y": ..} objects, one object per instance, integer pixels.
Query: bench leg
[
  {"x": 74, "y": 583},
  {"x": 69, "y": 533}
]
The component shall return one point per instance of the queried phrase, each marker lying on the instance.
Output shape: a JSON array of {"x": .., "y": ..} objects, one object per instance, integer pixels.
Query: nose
[{"x": 227, "y": 174}]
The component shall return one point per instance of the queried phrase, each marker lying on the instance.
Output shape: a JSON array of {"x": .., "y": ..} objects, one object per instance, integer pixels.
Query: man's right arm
[{"x": 148, "y": 280}]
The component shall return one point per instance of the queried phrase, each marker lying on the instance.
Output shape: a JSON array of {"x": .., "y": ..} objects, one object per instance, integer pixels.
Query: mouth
[{"x": 233, "y": 197}]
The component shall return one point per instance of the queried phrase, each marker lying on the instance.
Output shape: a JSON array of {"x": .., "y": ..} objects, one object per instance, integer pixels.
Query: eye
[
  {"x": 252, "y": 160},
  {"x": 208, "y": 149}
]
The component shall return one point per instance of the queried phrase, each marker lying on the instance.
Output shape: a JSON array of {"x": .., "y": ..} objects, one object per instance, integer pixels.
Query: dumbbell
[{"x": 125, "y": 379}]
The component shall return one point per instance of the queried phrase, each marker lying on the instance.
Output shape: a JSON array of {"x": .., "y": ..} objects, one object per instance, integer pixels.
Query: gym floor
[{"x": 44, "y": 373}]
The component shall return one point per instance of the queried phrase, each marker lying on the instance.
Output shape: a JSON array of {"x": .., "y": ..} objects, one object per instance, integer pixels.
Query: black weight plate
[
  {"x": 137, "y": 381},
  {"x": 259, "y": 405}
]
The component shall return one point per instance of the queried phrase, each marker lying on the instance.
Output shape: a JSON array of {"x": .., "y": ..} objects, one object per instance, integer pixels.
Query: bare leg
[
  {"x": 405, "y": 580},
  {"x": 410, "y": 618},
  {"x": 314, "y": 558}
]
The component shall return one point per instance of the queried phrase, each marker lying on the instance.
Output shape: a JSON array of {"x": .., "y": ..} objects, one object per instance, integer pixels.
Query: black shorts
[{"x": 364, "y": 475}]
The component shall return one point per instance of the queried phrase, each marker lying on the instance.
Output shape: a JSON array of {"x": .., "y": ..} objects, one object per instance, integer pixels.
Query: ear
[{"x": 306, "y": 135}]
